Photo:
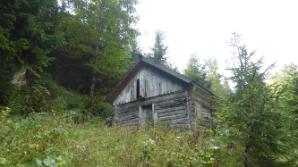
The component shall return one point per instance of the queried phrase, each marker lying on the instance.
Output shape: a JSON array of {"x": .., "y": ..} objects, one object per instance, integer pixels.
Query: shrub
[
  {"x": 30, "y": 99},
  {"x": 4, "y": 111}
]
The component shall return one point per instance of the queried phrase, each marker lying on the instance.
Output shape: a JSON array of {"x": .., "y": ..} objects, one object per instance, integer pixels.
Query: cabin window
[{"x": 138, "y": 88}]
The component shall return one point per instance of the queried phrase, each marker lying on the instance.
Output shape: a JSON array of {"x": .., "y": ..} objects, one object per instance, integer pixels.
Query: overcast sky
[{"x": 203, "y": 27}]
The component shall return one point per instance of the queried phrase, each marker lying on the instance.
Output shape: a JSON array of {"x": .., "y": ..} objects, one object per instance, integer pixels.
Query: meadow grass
[{"x": 46, "y": 139}]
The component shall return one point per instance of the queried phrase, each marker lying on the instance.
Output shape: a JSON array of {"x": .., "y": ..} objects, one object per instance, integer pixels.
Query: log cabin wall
[
  {"x": 201, "y": 108},
  {"x": 171, "y": 109},
  {"x": 127, "y": 114}
]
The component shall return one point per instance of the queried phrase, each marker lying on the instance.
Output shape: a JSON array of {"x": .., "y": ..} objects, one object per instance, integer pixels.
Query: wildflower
[
  {"x": 149, "y": 142},
  {"x": 214, "y": 147}
]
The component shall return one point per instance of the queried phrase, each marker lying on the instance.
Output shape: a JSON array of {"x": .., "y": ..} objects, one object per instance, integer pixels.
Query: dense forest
[{"x": 60, "y": 59}]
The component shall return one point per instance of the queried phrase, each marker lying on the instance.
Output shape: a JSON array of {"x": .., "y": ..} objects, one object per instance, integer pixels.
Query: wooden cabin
[{"x": 154, "y": 94}]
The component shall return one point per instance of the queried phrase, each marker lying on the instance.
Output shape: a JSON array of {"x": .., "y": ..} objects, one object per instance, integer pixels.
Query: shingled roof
[{"x": 143, "y": 61}]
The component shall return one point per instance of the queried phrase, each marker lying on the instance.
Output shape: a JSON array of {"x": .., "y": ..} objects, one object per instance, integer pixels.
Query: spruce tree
[
  {"x": 197, "y": 72},
  {"x": 250, "y": 124},
  {"x": 160, "y": 49}
]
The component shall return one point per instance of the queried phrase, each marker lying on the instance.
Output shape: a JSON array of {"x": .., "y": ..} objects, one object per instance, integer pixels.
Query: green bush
[
  {"x": 4, "y": 111},
  {"x": 102, "y": 108},
  {"x": 30, "y": 99}
]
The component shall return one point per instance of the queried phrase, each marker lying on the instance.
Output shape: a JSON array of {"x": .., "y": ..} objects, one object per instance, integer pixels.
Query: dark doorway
[
  {"x": 148, "y": 114},
  {"x": 138, "y": 89}
]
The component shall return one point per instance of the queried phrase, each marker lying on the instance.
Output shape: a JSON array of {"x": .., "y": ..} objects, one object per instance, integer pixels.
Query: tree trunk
[
  {"x": 95, "y": 61},
  {"x": 93, "y": 82},
  {"x": 91, "y": 93}
]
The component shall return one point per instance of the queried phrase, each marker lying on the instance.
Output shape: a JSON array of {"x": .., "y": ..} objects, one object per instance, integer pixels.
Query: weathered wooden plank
[
  {"x": 161, "y": 98},
  {"x": 175, "y": 123},
  {"x": 172, "y": 117},
  {"x": 177, "y": 96},
  {"x": 127, "y": 109},
  {"x": 128, "y": 112},
  {"x": 165, "y": 114},
  {"x": 172, "y": 99},
  {"x": 124, "y": 117},
  {"x": 170, "y": 102},
  {"x": 171, "y": 109},
  {"x": 135, "y": 120},
  {"x": 181, "y": 121},
  {"x": 168, "y": 105},
  {"x": 129, "y": 117}
]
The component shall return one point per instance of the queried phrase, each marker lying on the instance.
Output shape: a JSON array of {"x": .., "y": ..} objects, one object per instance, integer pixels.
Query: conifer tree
[
  {"x": 159, "y": 50},
  {"x": 250, "y": 122},
  {"x": 197, "y": 72}
]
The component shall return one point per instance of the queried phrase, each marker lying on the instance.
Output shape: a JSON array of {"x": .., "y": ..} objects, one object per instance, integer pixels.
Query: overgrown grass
[{"x": 46, "y": 139}]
